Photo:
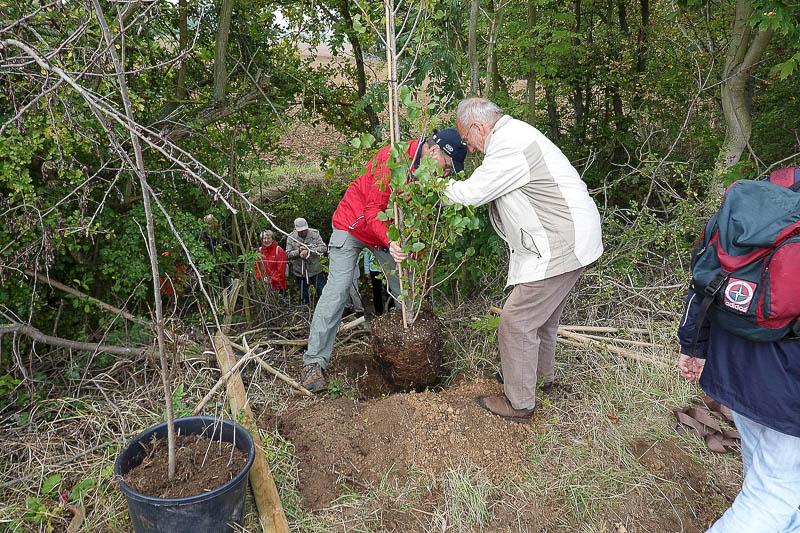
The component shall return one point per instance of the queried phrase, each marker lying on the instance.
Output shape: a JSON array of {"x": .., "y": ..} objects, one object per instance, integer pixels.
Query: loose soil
[
  {"x": 201, "y": 465},
  {"x": 410, "y": 358},
  {"x": 345, "y": 441}
]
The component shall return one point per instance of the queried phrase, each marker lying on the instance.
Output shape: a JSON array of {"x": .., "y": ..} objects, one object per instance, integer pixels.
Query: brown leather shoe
[{"x": 500, "y": 406}]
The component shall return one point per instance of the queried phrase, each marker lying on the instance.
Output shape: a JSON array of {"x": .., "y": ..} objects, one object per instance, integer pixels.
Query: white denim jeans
[{"x": 770, "y": 495}]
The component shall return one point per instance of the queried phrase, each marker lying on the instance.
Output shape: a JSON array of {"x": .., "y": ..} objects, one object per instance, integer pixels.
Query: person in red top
[
  {"x": 355, "y": 225},
  {"x": 272, "y": 263}
]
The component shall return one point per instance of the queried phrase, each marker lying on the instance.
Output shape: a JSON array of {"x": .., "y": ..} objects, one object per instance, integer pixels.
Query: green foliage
[
  {"x": 425, "y": 226},
  {"x": 179, "y": 407},
  {"x": 337, "y": 389}
]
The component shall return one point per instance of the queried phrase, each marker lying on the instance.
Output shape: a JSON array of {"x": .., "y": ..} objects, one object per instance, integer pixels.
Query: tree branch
[{"x": 38, "y": 336}]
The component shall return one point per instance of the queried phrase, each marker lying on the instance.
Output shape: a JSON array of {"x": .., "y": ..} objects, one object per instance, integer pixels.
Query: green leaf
[
  {"x": 50, "y": 483},
  {"x": 81, "y": 488},
  {"x": 417, "y": 246}
]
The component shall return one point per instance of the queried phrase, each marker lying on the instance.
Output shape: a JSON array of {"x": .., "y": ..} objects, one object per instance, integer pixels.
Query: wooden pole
[{"x": 270, "y": 510}]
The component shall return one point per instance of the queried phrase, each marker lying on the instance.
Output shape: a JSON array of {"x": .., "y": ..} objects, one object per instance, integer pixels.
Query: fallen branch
[
  {"x": 38, "y": 336},
  {"x": 284, "y": 377},
  {"x": 302, "y": 342},
  {"x": 606, "y": 329},
  {"x": 246, "y": 358},
  {"x": 614, "y": 349},
  {"x": 69, "y": 290}
]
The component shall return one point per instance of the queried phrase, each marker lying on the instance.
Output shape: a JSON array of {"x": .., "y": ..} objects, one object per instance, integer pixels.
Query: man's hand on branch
[
  {"x": 397, "y": 253},
  {"x": 304, "y": 252}
]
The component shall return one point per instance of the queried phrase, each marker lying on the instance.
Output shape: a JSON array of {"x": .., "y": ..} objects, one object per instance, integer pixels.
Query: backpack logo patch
[{"x": 739, "y": 293}]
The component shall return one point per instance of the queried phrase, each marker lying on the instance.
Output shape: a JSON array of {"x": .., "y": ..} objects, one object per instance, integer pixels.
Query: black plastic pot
[{"x": 210, "y": 512}]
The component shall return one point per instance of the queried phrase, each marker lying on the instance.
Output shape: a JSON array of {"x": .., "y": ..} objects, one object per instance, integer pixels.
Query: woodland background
[{"x": 245, "y": 109}]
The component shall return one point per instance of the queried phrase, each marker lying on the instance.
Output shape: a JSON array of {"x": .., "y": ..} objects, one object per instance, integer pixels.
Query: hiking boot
[
  {"x": 544, "y": 387},
  {"x": 500, "y": 406},
  {"x": 313, "y": 378}
]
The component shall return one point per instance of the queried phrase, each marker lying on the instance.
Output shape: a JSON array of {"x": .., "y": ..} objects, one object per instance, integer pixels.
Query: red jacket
[
  {"x": 364, "y": 199},
  {"x": 272, "y": 265}
]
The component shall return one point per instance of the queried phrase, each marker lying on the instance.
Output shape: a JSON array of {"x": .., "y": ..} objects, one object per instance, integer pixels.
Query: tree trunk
[
  {"x": 641, "y": 51},
  {"x": 530, "y": 89},
  {"x": 746, "y": 48},
  {"x": 183, "y": 42},
  {"x": 492, "y": 75},
  {"x": 472, "y": 45},
  {"x": 577, "y": 89},
  {"x": 552, "y": 113},
  {"x": 361, "y": 73},
  {"x": 221, "y": 51}
]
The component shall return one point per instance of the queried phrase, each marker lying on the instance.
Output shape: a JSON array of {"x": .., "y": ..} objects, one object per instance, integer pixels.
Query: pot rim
[{"x": 186, "y": 500}]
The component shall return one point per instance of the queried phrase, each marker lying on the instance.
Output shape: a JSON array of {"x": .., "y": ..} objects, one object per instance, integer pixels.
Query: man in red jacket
[{"x": 355, "y": 225}]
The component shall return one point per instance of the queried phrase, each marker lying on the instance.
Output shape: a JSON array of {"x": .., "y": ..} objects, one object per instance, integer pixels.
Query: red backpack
[{"x": 744, "y": 268}]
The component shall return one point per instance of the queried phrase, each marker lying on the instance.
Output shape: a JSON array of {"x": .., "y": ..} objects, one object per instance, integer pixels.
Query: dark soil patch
[
  {"x": 201, "y": 465},
  {"x": 361, "y": 369},
  {"x": 345, "y": 442},
  {"x": 703, "y": 500},
  {"x": 410, "y": 358}
]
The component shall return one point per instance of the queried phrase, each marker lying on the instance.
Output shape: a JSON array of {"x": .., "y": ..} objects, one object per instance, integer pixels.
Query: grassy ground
[{"x": 580, "y": 472}]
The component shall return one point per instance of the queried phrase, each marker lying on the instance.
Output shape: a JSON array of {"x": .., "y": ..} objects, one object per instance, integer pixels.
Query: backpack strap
[
  {"x": 709, "y": 293},
  {"x": 795, "y": 186}
]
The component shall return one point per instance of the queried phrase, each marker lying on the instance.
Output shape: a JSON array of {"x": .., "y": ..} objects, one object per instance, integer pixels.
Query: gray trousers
[
  {"x": 527, "y": 335},
  {"x": 355, "y": 294},
  {"x": 343, "y": 253}
]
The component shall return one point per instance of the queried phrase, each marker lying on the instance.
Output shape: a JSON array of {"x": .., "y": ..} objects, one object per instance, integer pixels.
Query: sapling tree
[{"x": 426, "y": 225}]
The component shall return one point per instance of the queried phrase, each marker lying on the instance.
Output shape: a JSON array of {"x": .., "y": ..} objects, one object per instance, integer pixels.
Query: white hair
[
  {"x": 267, "y": 232},
  {"x": 478, "y": 110}
]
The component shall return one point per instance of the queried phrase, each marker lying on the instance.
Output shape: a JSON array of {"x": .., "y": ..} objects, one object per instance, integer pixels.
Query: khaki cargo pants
[{"x": 527, "y": 335}]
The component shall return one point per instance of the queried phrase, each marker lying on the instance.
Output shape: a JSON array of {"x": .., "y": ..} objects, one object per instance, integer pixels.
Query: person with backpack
[{"x": 738, "y": 338}]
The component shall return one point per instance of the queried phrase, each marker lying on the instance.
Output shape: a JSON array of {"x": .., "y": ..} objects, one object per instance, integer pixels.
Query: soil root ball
[{"x": 409, "y": 358}]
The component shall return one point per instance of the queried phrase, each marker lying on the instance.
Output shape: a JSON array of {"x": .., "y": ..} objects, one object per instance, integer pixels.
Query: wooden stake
[
  {"x": 394, "y": 123},
  {"x": 270, "y": 510}
]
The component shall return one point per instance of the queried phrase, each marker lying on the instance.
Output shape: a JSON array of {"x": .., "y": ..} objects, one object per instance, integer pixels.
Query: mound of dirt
[
  {"x": 346, "y": 441},
  {"x": 410, "y": 358}
]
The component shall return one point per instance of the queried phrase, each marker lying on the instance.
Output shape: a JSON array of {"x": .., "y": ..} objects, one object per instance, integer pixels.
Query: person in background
[
  {"x": 356, "y": 226},
  {"x": 542, "y": 209},
  {"x": 373, "y": 272},
  {"x": 271, "y": 263},
  {"x": 304, "y": 249}
]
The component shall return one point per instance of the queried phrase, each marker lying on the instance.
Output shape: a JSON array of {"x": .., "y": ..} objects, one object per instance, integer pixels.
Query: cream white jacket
[{"x": 539, "y": 204}]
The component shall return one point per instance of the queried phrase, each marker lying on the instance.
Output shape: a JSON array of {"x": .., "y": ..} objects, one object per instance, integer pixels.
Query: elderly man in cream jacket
[{"x": 540, "y": 206}]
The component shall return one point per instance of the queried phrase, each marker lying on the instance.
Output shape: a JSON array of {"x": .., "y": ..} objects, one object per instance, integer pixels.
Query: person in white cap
[{"x": 304, "y": 249}]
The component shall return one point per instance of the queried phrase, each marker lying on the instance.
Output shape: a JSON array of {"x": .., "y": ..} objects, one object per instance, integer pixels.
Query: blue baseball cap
[{"x": 450, "y": 142}]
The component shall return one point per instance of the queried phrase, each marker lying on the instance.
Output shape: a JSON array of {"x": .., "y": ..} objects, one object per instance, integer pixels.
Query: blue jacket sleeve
[{"x": 687, "y": 327}]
